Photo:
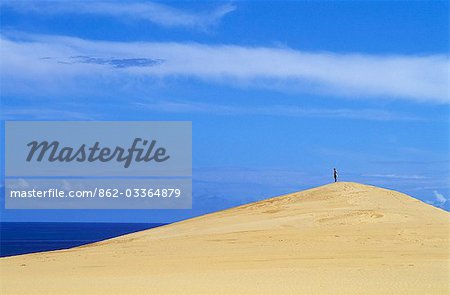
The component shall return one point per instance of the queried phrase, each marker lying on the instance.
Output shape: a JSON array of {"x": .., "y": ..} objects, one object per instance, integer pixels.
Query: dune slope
[{"x": 342, "y": 238}]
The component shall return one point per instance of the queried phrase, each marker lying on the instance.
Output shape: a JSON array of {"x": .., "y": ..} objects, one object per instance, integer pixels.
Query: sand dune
[{"x": 342, "y": 238}]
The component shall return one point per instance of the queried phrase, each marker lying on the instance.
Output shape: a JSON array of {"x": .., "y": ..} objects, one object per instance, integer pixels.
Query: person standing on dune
[{"x": 335, "y": 175}]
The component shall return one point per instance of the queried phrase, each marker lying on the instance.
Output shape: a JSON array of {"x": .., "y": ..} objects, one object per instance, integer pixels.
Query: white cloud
[
  {"x": 189, "y": 107},
  {"x": 19, "y": 184},
  {"x": 394, "y": 176},
  {"x": 251, "y": 176},
  {"x": 439, "y": 198},
  {"x": 47, "y": 63},
  {"x": 274, "y": 110},
  {"x": 149, "y": 11},
  {"x": 45, "y": 113}
]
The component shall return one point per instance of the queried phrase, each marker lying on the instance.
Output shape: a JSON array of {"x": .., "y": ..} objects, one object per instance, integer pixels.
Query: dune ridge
[{"x": 341, "y": 238}]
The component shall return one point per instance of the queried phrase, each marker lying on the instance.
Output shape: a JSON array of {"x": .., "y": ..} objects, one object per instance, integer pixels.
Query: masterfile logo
[
  {"x": 150, "y": 148},
  {"x": 148, "y": 152}
]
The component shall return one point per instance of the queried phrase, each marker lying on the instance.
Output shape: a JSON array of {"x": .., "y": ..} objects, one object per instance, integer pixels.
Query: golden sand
[{"x": 342, "y": 238}]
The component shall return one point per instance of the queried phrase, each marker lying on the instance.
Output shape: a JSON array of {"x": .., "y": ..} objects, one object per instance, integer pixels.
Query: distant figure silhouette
[{"x": 335, "y": 174}]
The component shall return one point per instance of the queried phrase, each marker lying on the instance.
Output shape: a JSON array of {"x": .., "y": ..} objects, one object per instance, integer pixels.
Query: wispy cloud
[
  {"x": 113, "y": 62},
  {"x": 439, "y": 197},
  {"x": 273, "y": 110},
  {"x": 276, "y": 177},
  {"x": 32, "y": 58},
  {"x": 438, "y": 200},
  {"x": 395, "y": 176},
  {"x": 156, "y": 13},
  {"x": 45, "y": 114}
]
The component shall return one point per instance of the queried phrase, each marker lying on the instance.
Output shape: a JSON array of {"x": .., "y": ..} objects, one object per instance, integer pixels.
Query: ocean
[{"x": 28, "y": 237}]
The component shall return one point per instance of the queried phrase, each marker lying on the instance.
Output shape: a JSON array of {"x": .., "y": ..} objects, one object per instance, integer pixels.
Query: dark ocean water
[{"x": 28, "y": 237}]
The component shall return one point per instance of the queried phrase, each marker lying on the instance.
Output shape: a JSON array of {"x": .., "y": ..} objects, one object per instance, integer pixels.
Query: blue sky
[{"x": 279, "y": 93}]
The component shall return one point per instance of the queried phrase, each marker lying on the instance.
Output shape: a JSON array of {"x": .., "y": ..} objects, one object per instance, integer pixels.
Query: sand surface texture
[{"x": 342, "y": 238}]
